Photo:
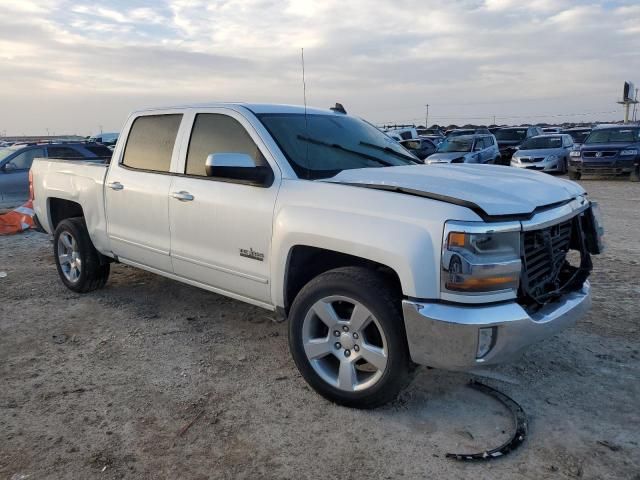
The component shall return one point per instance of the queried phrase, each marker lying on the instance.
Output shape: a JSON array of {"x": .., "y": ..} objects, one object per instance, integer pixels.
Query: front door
[
  {"x": 221, "y": 229},
  {"x": 136, "y": 192}
]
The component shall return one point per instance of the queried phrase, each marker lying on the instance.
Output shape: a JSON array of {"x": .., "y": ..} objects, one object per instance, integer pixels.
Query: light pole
[{"x": 426, "y": 117}]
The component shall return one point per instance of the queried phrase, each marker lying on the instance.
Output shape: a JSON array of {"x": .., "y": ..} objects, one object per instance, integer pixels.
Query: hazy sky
[{"x": 73, "y": 66}]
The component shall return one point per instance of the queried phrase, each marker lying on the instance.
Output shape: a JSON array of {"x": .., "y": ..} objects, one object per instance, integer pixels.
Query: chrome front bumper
[{"x": 446, "y": 335}]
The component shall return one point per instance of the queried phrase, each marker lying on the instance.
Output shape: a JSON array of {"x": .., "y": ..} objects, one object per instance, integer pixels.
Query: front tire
[
  {"x": 347, "y": 337},
  {"x": 573, "y": 175},
  {"x": 78, "y": 262}
]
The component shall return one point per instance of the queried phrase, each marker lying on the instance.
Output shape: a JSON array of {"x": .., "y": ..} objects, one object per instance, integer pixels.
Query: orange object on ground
[{"x": 17, "y": 220}]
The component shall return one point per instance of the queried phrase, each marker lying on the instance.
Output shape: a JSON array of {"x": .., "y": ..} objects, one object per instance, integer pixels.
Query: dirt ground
[{"x": 150, "y": 378}]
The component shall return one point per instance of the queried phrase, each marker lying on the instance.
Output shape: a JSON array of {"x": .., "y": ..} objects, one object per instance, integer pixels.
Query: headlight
[
  {"x": 574, "y": 153},
  {"x": 631, "y": 151},
  {"x": 476, "y": 260}
]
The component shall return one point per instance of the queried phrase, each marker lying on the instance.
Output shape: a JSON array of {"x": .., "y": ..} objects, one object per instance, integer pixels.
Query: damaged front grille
[{"x": 546, "y": 272}]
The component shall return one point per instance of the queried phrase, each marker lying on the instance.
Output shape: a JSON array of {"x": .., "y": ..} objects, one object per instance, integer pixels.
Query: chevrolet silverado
[{"x": 377, "y": 261}]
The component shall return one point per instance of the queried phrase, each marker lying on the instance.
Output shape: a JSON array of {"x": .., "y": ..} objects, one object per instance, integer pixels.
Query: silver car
[
  {"x": 478, "y": 148},
  {"x": 547, "y": 153}
]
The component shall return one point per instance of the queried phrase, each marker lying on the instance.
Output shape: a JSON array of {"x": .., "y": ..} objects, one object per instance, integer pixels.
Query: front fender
[{"x": 405, "y": 247}]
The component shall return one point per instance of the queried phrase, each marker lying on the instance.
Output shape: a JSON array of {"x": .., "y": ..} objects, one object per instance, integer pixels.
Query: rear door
[
  {"x": 221, "y": 235},
  {"x": 137, "y": 189}
]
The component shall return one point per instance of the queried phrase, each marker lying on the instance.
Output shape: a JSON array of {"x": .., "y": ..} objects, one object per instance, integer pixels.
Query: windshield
[
  {"x": 430, "y": 131},
  {"x": 579, "y": 136},
  {"x": 535, "y": 143},
  {"x": 411, "y": 144},
  {"x": 321, "y": 146},
  {"x": 457, "y": 144},
  {"x": 5, "y": 152},
  {"x": 613, "y": 135},
  {"x": 457, "y": 133},
  {"x": 511, "y": 134}
]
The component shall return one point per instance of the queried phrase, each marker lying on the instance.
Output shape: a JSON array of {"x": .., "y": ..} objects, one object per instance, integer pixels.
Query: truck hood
[{"x": 490, "y": 190}]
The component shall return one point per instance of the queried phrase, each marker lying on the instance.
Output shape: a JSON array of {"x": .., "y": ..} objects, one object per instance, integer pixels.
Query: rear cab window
[{"x": 151, "y": 141}]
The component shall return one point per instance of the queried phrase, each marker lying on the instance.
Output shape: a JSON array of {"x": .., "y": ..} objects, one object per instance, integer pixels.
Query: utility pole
[
  {"x": 494, "y": 120},
  {"x": 426, "y": 118}
]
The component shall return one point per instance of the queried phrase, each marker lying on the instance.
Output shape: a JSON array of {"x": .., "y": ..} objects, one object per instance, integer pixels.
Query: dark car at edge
[{"x": 609, "y": 150}]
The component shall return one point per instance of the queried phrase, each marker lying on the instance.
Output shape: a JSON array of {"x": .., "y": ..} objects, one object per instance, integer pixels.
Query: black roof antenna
[
  {"x": 338, "y": 108},
  {"x": 306, "y": 121}
]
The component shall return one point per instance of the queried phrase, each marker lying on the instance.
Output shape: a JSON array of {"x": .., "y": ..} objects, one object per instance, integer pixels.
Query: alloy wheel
[{"x": 344, "y": 343}]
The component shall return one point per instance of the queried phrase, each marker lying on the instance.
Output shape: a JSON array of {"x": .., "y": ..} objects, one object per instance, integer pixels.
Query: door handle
[
  {"x": 115, "y": 186},
  {"x": 182, "y": 196}
]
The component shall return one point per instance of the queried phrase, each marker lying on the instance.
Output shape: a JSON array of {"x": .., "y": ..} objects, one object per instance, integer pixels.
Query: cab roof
[{"x": 256, "y": 108}]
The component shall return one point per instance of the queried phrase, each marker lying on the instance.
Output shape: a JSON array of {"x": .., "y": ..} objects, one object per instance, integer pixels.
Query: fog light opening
[{"x": 486, "y": 341}]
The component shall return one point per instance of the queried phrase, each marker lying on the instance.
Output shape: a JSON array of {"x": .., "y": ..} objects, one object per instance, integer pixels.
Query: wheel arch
[
  {"x": 305, "y": 262},
  {"x": 60, "y": 209}
]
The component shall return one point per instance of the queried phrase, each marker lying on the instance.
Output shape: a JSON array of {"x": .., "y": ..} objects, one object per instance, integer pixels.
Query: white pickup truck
[{"x": 378, "y": 262}]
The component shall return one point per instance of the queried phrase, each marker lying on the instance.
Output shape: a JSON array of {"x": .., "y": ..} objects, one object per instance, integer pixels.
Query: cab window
[
  {"x": 150, "y": 142},
  {"x": 217, "y": 133}
]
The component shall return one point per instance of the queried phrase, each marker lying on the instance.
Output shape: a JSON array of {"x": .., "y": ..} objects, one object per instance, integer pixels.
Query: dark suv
[
  {"x": 15, "y": 162},
  {"x": 610, "y": 150},
  {"x": 510, "y": 138}
]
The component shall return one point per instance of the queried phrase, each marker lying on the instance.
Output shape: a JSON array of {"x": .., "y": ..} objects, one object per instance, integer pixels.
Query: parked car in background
[
  {"x": 430, "y": 132},
  {"x": 107, "y": 139},
  {"x": 511, "y": 137},
  {"x": 551, "y": 129},
  {"x": 456, "y": 132},
  {"x": 15, "y": 162},
  {"x": 466, "y": 149},
  {"x": 548, "y": 153},
  {"x": 404, "y": 133},
  {"x": 434, "y": 134},
  {"x": 420, "y": 147},
  {"x": 608, "y": 150},
  {"x": 579, "y": 134}
]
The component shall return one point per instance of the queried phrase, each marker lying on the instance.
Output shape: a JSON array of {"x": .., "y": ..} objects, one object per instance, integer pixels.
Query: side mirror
[
  {"x": 238, "y": 166},
  {"x": 9, "y": 167}
]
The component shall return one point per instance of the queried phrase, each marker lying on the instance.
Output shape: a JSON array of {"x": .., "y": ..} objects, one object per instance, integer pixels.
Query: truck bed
[{"x": 79, "y": 181}]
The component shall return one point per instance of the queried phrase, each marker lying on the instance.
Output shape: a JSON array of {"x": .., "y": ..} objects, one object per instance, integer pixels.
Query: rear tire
[
  {"x": 347, "y": 338},
  {"x": 78, "y": 262}
]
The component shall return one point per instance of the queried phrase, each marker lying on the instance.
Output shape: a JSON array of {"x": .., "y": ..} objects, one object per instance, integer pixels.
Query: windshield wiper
[
  {"x": 390, "y": 150},
  {"x": 336, "y": 146}
]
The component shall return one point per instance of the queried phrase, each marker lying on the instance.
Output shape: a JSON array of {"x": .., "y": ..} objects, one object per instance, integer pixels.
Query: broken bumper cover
[{"x": 446, "y": 335}]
